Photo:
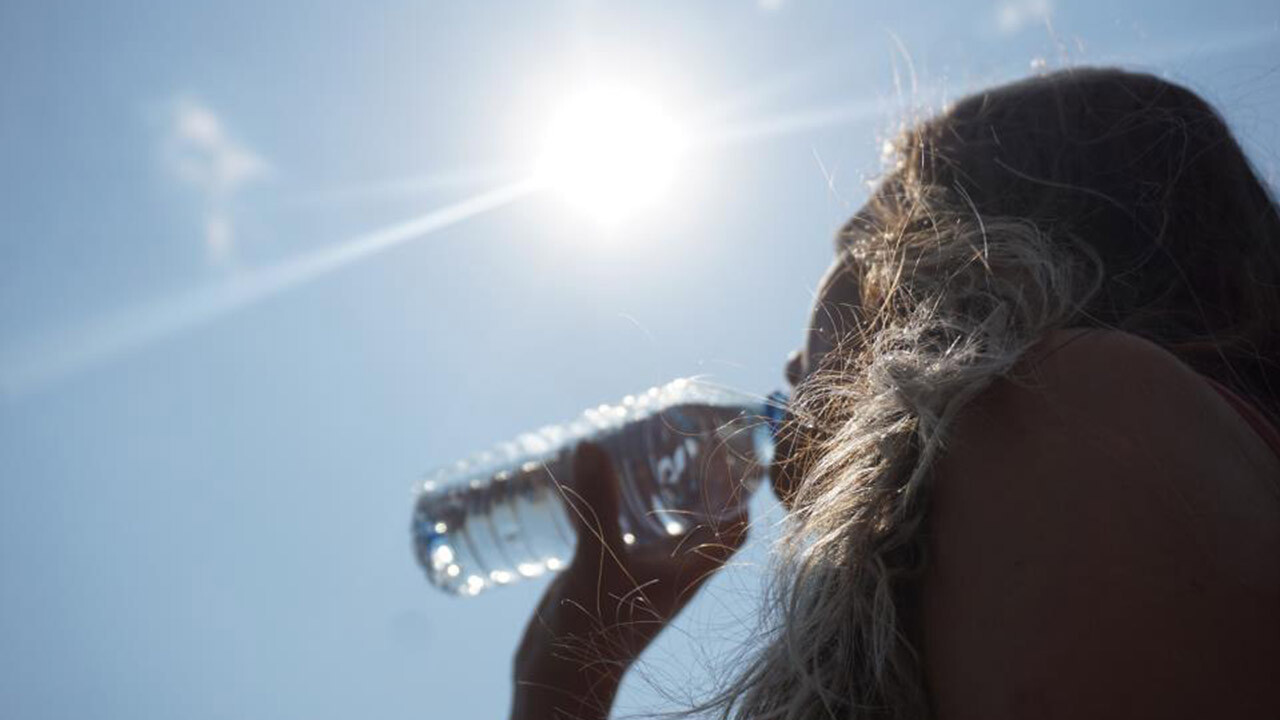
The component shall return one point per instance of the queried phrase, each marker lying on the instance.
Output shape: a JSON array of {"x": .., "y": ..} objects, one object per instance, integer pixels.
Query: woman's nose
[{"x": 793, "y": 368}]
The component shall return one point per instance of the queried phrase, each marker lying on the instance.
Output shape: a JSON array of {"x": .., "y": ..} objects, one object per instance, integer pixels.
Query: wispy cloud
[
  {"x": 1014, "y": 15},
  {"x": 200, "y": 152}
]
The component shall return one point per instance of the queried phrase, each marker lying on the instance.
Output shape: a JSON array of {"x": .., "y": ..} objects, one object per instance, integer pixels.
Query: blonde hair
[
  {"x": 949, "y": 302},
  {"x": 1084, "y": 198}
]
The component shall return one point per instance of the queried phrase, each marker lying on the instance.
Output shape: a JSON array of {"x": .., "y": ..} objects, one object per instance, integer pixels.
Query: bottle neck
[{"x": 775, "y": 409}]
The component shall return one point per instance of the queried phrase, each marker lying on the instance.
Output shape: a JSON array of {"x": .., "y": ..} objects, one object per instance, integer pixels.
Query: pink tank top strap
[{"x": 1267, "y": 431}]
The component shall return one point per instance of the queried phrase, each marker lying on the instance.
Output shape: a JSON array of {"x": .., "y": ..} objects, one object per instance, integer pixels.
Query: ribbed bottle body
[{"x": 685, "y": 453}]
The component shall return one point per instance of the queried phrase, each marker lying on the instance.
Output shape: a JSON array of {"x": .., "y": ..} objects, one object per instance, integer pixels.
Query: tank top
[{"x": 1268, "y": 432}]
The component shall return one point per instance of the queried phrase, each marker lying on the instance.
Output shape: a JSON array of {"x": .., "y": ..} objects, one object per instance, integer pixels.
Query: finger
[{"x": 593, "y": 495}]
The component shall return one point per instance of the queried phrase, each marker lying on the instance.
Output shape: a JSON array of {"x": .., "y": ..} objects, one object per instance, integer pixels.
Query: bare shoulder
[
  {"x": 1102, "y": 372},
  {"x": 1110, "y": 397},
  {"x": 1104, "y": 532}
]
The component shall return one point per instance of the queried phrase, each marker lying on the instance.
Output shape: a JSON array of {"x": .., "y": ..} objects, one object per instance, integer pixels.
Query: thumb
[{"x": 593, "y": 502}]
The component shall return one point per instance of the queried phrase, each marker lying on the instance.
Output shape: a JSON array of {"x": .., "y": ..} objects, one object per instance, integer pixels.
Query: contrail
[{"x": 60, "y": 356}]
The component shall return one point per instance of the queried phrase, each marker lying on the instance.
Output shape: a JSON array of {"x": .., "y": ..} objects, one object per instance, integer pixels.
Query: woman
[{"x": 1031, "y": 460}]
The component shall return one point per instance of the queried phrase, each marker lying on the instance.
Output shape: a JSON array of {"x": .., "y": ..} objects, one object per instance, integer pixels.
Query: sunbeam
[
  {"x": 403, "y": 188},
  {"x": 600, "y": 148},
  {"x": 66, "y": 354}
]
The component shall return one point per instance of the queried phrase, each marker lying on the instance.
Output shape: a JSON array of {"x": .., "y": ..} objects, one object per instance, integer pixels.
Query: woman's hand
[{"x": 601, "y": 612}]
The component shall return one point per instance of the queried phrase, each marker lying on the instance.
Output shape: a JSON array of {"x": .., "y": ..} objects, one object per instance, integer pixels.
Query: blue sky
[{"x": 218, "y": 381}]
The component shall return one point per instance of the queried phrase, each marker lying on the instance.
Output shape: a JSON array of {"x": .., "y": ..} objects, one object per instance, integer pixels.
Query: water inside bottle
[
  {"x": 679, "y": 467},
  {"x": 686, "y": 465},
  {"x": 497, "y": 530}
]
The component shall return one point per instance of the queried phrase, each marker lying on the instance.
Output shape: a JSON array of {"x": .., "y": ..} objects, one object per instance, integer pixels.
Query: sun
[{"x": 611, "y": 152}]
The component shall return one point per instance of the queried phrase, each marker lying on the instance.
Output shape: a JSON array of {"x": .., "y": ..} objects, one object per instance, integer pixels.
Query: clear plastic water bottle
[{"x": 685, "y": 453}]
